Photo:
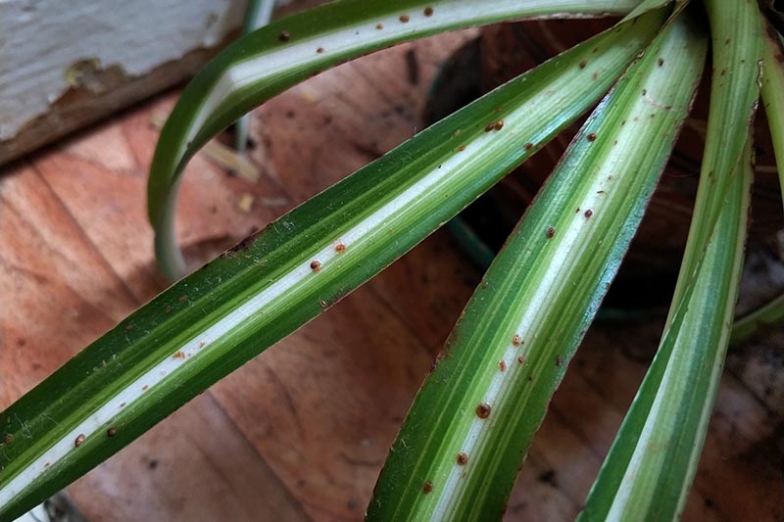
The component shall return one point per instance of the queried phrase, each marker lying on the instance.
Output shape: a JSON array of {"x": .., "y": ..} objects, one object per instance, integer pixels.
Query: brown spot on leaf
[
  {"x": 591, "y": 137},
  {"x": 427, "y": 487},
  {"x": 284, "y": 36},
  {"x": 483, "y": 410},
  {"x": 588, "y": 213},
  {"x": 379, "y": 26},
  {"x": 462, "y": 459},
  {"x": 661, "y": 62},
  {"x": 502, "y": 365},
  {"x": 461, "y": 148},
  {"x": 583, "y": 64},
  {"x": 490, "y": 126},
  {"x": 79, "y": 440},
  {"x": 521, "y": 359},
  {"x": 320, "y": 50},
  {"x": 315, "y": 265},
  {"x": 528, "y": 146},
  {"x": 179, "y": 355},
  {"x": 340, "y": 248},
  {"x": 428, "y": 11},
  {"x": 404, "y": 18},
  {"x": 498, "y": 125},
  {"x": 550, "y": 232},
  {"x": 111, "y": 432},
  {"x": 517, "y": 340}
]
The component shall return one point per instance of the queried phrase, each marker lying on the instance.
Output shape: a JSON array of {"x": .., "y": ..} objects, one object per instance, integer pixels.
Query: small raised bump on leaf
[
  {"x": 517, "y": 340},
  {"x": 79, "y": 440},
  {"x": 483, "y": 410},
  {"x": 427, "y": 487},
  {"x": 428, "y": 11},
  {"x": 462, "y": 459},
  {"x": 111, "y": 432},
  {"x": 521, "y": 359},
  {"x": 340, "y": 248},
  {"x": 315, "y": 265},
  {"x": 284, "y": 36},
  {"x": 379, "y": 26},
  {"x": 591, "y": 137},
  {"x": 550, "y": 232},
  {"x": 502, "y": 365},
  {"x": 588, "y": 213},
  {"x": 404, "y": 18}
]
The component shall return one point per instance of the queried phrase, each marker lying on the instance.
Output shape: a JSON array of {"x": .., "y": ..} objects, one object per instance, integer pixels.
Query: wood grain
[{"x": 302, "y": 431}]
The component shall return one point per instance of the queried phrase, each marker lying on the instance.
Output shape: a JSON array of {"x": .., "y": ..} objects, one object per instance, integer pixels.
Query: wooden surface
[{"x": 302, "y": 431}]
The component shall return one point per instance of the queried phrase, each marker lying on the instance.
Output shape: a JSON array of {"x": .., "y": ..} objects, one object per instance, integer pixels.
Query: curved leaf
[{"x": 268, "y": 61}]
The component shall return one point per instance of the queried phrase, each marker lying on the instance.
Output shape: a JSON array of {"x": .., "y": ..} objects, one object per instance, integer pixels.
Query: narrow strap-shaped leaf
[
  {"x": 461, "y": 446},
  {"x": 652, "y": 462},
  {"x": 653, "y": 459},
  {"x": 773, "y": 94},
  {"x": 215, "y": 320},
  {"x": 268, "y": 61},
  {"x": 735, "y": 87}
]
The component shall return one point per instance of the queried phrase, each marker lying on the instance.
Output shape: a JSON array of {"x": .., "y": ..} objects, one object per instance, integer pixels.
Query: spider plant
[{"x": 468, "y": 431}]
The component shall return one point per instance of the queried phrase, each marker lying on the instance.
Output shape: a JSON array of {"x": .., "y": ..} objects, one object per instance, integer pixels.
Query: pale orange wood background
[{"x": 302, "y": 431}]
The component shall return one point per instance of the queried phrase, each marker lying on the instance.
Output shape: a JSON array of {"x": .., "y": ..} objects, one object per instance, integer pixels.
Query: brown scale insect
[
  {"x": 404, "y": 18},
  {"x": 498, "y": 125},
  {"x": 521, "y": 359},
  {"x": 315, "y": 265},
  {"x": 284, "y": 36},
  {"x": 428, "y": 11},
  {"x": 502, "y": 365},
  {"x": 427, "y": 487},
  {"x": 490, "y": 126},
  {"x": 379, "y": 27},
  {"x": 550, "y": 232},
  {"x": 320, "y": 50},
  {"x": 111, "y": 432},
  {"x": 591, "y": 137},
  {"x": 462, "y": 459},
  {"x": 483, "y": 410},
  {"x": 461, "y": 148},
  {"x": 340, "y": 248},
  {"x": 588, "y": 213},
  {"x": 517, "y": 340},
  {"x": 79, "y": 440}
]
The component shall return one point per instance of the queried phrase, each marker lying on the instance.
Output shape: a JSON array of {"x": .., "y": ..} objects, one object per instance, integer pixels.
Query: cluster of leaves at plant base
[{"x": 171, "y": 349}]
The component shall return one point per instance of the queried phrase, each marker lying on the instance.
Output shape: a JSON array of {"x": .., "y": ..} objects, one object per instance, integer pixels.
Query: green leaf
[
  {"x": 215, "y": 320},
  {"x": 654, "y": 457},
  {"x": 470, "y": 427},
  {"x": 268, "y": 61},
  {"x": 773, "y": 94},
  {"x": 652, "y": 462}
]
